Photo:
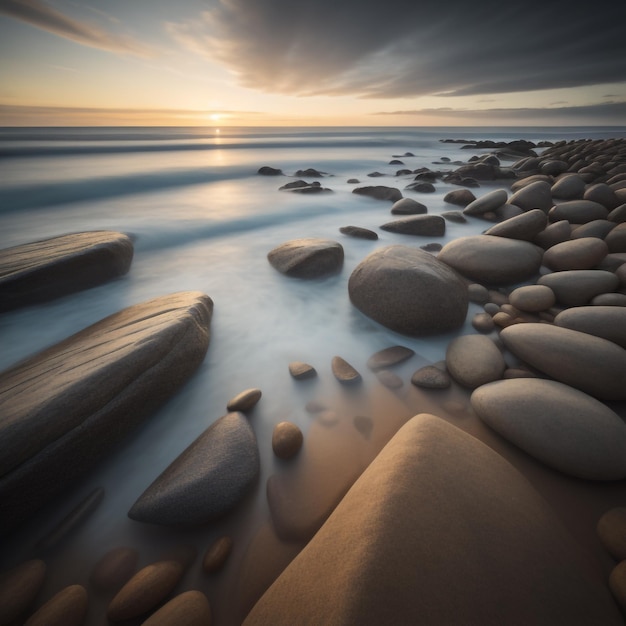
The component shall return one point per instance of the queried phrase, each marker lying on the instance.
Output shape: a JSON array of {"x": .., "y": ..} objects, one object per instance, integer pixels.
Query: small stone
[
  {"x": 408, "y": 206},
  {"x": 474, "y": 360},
  {"x": 577, "y": 254},
  {"x": 307, "y": 258},
  {"x": 553, "y": 234},
  {"x": 483, "y": 322},
  {"x": 609, "y": 299},
  {"x": 190, "y": 608},
  {"x": 477, "y": 293},
  {"x": 420, "y": 225},
  {"x": 359, "y": 232},
  {"x": 460, "y": 197},
  {"x": 612, "y": 532},
  {"x": 244, "y": 401},
  {"x": 266, "y": 170},
  {"x": 431, "y": 377},
  {"x": 454, "y": 216},
  {"x": 389, "y": 356},
  {"x": 344, "y": 372},
  {"x": 379, "y": 192},
  {"x": 66, "y": 608},
  {"x": 114, "y": 569},
  {"x": 19, "y": 588},
  {"x": 532, "y": 298},
  {"x": 286, "y": 440},
  {"x": 536, "y": 195},
  {"x": 301, "y": 371},
  {"x": 570, "y": 187},
  {"x": 216, "y": 554},
  {"x": 487, "y": 203}
]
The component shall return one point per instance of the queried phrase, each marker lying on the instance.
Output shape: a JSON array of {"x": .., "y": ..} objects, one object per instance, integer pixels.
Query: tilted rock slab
[
  {"x": 43, "y": 270},
  {"x": 307, "y": 258},
  {"x": 64, "y": 409},
  {"x": 207, "y": 480},
  {"x": 439, "y": 529}
]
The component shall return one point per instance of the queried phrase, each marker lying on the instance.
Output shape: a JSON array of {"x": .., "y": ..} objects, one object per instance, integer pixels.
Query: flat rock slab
[
  {"x": 65, "y": 408},
  {"x": 557, "y": 424},
  {"x": 307, "y": 258},
  {"x": 43, "y": 270},
  {"x": 492, "y": 260},
  {"x": 207, "y": 480},
  {"x": 436, "y": 528}
]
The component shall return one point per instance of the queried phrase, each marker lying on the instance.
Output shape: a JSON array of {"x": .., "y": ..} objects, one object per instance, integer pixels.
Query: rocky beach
[{"x": 327, "y": 378}]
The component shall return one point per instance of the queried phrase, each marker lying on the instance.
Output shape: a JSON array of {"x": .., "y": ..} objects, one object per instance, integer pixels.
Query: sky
[{"x": 312, "y": 62}]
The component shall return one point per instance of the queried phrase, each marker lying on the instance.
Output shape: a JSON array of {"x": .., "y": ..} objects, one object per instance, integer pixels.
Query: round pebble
[
  {"x": 477, "y": 293},
  {"x": 483, "y": 322},
  {"x": 286, "y": 440},
  {"x": 474, "y": 360},
  {"x": 532, "y": 298},
  {"x": 617, "y": 583},
  {"x": 216, "y": 555},
  {"x": 19, "y": 588}
]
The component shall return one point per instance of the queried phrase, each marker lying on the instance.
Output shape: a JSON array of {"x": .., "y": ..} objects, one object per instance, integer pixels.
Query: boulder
[
  {"x": 577, "y": 254},
  {"x": 208, "y": 479},
  {"x": 408, "y": 291},
  {"x": 525, "y": 226},
  {"x": 67, "y": 407},
  {"x": 537, "y": 195},
  {"x": 578, "y": 287},
  {"x": 608, "y": 322},
  {"x": 307, "y": 258},
  {"x": 473, "y": 360},
  {"x": 408, "y": 206},
  {"x": 487, "y": 203},
  {"x": 592, "y": 364},
  {"x": 578, "y": 212},
  {"x": 492, "y": 260},
  {"x": 43, "y": 270},
  {"x": 379, "y": 192},
  {"x": 560, "y": 426},
  {"x": 436, "y": 528},
  {"x": 422, "y": 225}
]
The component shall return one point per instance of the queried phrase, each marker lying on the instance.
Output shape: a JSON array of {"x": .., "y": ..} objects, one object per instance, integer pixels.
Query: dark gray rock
[
  {"x": 408, "y": 206},
  {"x": 389, "y": 356},
  {"x": 537, "y": 195},
  {"x": 43, "y": 270},
  {"x": 379, "y": 192},
  {"x": 578, "y": 212},
  {"x": 207, "y": 480},
  {"x": 67, "y": 407},
  {"x": 359, "y": 232},
  {"x": 460, "y": 197},
  {"x": 486, "y": 203},
  {"x": 525, "y": 226},
  {"x": 307, "y": 258},
  {"x": 421, "y": 225},
  {"x": 266, "y": 170}
]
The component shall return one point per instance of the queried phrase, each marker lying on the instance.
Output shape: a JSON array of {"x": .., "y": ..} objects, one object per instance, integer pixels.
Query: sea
[{"x": 202, "y": 218}]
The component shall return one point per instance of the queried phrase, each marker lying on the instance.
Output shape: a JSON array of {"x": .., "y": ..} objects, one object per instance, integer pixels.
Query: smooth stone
[
  {"x": 399, "y": 530},
  {"x": 207, "y": 480},
  {"x": 307, "y": 258},
  {"x": 553, "y": 234},
  {"x": 523, "y": 182},
  {"x": 560, "y": 426},
  {"x": 492, "y": 308},
  {"x": 190, "y": 608},
  {"x": 145, "y": 590},
  {"x": 388, "y": 357},
  {"x": 389, "y": 379},
  {"x": 302, "y": 371},
  {"x": 617, "y": 584},
  {"x": 507, "y": 211},
  {"x": 287, "y": 440},
  {"x": 359, "y": 233},
  {"x": 431, "y": 247},
  {"x": 19, "y": 588},
  {"x": 216, "y": 555},
  {"x": 536, "y": 195},
  {"x": 611, "y": 530},
  {"x": 83, "y": 395},
  {"x": 569, "y": 187},
  {"x": 310, "y": 172},
  {"x": 553, "y": 167},
  {"x": 578, "y": 287},
  {"x": 578, "y": 212},
  {"x": 408, "y": 291},
  {"x": 616, "y": 239},
  {"x": 592, "y": 364},
  {"x": 486, "y": 203},
  {"x": 408, "y": 206},
  {"x": 67, "y": 608},
  {"x": 618, "y": 215},
  {"x": 525, "y": 226},
  {"x": 492, "y": 260},
  {"x": 602, "y": 194},
  {"x": 431, "y": 377},
  {"x": 344, "y": 372},
  {"x": 267, "y": 170},
  {"x": 473, "y": 360},
  {"x": 421, "y": 225},
  {"x": 595, "y": 228},
  {"x": 379, "y": 192},
  {"x": 477, "y": 293},
  {"x": 454, "y": 216},
  {"x": 608, "y": 322},
  {"x": 459, "y": 197},
  {"x": 609, "y": 299},
  {"x": 44, "y": 270},
  {"x": 577, "y": 254},
  {"x": 422, "y": 187},
  {"x": 483, "y": 322},
  {"x": 244, "y": 401},
  {"x": 114, "y": 569},
  {"x": 532, "y": 298}
]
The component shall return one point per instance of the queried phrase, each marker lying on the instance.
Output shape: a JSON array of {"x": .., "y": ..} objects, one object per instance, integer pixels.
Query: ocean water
[{"x": 203, "y": 219}]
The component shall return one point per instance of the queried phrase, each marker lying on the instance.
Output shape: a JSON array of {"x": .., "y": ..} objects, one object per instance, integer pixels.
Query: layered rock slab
[
  {"x": 207, "y": 480},
  {"x": 435, "y": 530},
  {"x": 43, "y": 270},
  {"x": 65, "y": 408},
  {"x": 409, "y": 291}
]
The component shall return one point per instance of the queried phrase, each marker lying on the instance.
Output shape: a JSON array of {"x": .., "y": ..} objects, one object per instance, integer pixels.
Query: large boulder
[
  {"x": 439, "y": 529},
  {"x": 409, "y": 291},
  {"x": 487, "y": 203},
  {"x": 492, "y": 260},
  {"x": 307, "y": 258},
  {"x": 557, "y": 424},
  {"x": 207, "y": 480},
  {"x": 65, "y": 408},
  {"x": 43, "y": 270}
]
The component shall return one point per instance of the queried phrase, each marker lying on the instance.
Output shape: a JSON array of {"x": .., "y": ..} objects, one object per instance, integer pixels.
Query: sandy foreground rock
[
  {"x": 394, "y": 552},
  {"x": 43, "y": 270},
  {"x": 66, "y": 407}
]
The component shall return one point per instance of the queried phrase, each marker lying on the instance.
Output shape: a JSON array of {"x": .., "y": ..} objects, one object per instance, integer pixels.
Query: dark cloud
[
  {"x": 404, "y": 48},
  {"x": 46, "y": 18}
]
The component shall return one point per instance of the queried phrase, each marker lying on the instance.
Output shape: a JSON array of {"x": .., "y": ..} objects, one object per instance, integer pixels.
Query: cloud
[
  {"x": 404, "y": 48},
  {"x": 40, "y": 15}
]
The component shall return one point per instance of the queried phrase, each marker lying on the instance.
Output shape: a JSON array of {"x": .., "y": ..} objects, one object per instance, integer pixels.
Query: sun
[{"x": 215, "y": 117}]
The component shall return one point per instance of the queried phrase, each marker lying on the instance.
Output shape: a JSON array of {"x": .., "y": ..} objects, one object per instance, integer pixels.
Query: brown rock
[
  {"x": 216, "y": 555},
  {"x": 536, "y": 195},
  {"x": 460, "y": 197},
  {"x": 483, "y": 322},
  {"x": 19, "y": 588},
  {"x": 359, "y": 232},
  {"x": 420, "y": 225},
  {"x": 244, "y": 401},
  {"x": 190, "y": 608},
  {"x": 577, "y": 254},
  {"x": 553, "y": 234},
  {"x": 286, "y": 440},
  {"x": 408, "y": 206},
  {"x": 66, "y": 608},
  {"x": 617, "y": 584},
  {"x": 577, "y": 287},
  {"x": 431, "y": 377},
  {"x": 389, "y": 356},
  {"x": 578, "y": 212},
  {"x": 307, "y": 258},
  {"x": 608, "y": 322},
  {"x": 344, "y": 372},
  {"x": 474, "y": 360},
  {"x": 525, "y": 226},
  {"x": 616, "y": 239},
  {"x": 532, "y": 298},
  {"x": 114, "y": 569},
  {"x": 379, "y": 192},
  {"x": 301, "y": 371}
]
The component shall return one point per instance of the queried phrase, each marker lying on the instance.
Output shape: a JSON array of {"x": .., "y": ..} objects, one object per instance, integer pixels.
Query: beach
[{"x": 203, "y": 218}]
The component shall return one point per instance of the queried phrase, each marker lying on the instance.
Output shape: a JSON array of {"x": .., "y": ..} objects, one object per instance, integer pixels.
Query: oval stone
[
  {"x": 301, "y": 371},
  {"x": 307, "y": 258},
  {"x": 19, "y": 588},
  {"x": 577, "y": 254},
  {"x": 617, "y": 583},
  {"x": 216, "y": 555},
  {"x": 421, "y": 225},
  {"x": 473, "y": 360},
  {"x": 536, "y": 195},
  {"x": 525, "y": 226},
  {"x": 532, "y": 298},
  {"x": 114, "y": 569},
  {"x": 577, "y": 287},
  {"x": 190, "y": 608},
  {"x": 553, "y": 234},
  {"x": 570, "y": 187},
  {"x": 379, "y": 192},
  {"x": 344, "y": 372},
  {"x": 408, "y": 291},
  {"x": 431, "y": 377},
  {"x": 556, "y": 424},
  {"x": 389, "y": 356},
  {"x": 244, "y": 401},
  {"x": 608, "y": 322},
  {"x": 578, "y": 211},
  {"x": 459, "y": 197},
  {"x": 286, "y": 440},
  {"x": 359, "y": 232},
  {"x": 492, "y": 260},
  {"x": 592, "y": 364},
  {"x": 66, "y": 608},
  {"x": 408, "y": 206},
  {"x": 486, "y": 203}
]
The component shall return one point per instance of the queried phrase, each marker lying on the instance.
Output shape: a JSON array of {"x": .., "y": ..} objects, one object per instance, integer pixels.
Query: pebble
[
  {"x": 190, "y": 608},
  {"x": 216, "y": 555},
  {"x": 525, "y": 226},
  {"x": 114, "y": 569},
  {"x": 569, "y": 187},
  {"x": 460, "y": 197},
  {"x": 474, "y": 360},
  {"x": 477, "y": 293},
  {"x": 431, "y": 377},
  {"x": 553, "y": 234},
  {"x": 616, "y": 239},
  {"x": 389, "y": 356},
  {"x": 408, "y": 206},
  {"x": 454, "y": 216},
  {"x": 379, "y": 192},
  {"x": 66, "y": 608},
  {"x": 536, "y": 195},
  {"x": 483, "y": 322},
  {"x": 578, "y": 211},
  {"x": 577, "y": 254},
  {"x": 532, "y": 298},
  {"x": 486, "y": 203},
  {"x": 611, "y": 530},
  {"x": 344, "y": 372},
  {"x": 307, "y": 258},
  {"x": 419, "y": 225},
  {"x": 609, "y": 299},
  {"x": 244, "y": 401},
  {"x": 19, "y": 588},
  {"x": 578, "y": 287},
  {"x": 286, "y": 440},
  {"x": 359, "y": 232}
]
